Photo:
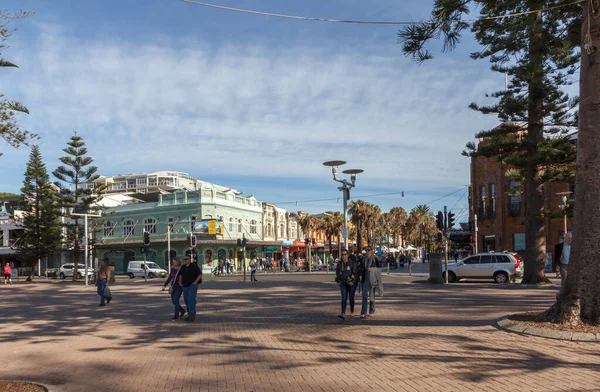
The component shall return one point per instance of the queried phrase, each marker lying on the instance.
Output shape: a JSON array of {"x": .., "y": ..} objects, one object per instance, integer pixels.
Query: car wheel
[
  {"x": 79, "y": 276},
  {"x": 150, "y": 275},
  {"x": 62, "y": 276},
  {"x": 131, "y": 275},
  {"x": 501, "y": 277},
  {"x": 451, "y": 277}
]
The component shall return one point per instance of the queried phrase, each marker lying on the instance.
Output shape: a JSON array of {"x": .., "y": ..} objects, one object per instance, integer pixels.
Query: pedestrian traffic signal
[
  {"x": 146, "y": 238},
  {"x": 439, "y": 221},
  {"x": 450, "y": 220},
  {"x": 193, "y": 240}
]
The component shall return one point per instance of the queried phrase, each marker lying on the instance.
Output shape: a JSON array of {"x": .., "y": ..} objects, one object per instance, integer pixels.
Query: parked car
[
  {"x": 502, "y": 267},
  {"x": 136, "y": 268},
  {"x": 66, "y": 270}
]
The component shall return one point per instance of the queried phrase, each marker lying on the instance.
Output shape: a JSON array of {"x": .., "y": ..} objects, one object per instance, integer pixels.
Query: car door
[
  {"x": 485, "y": 268},
  {"x": 68, "y": 270},
  {"x": 467, "y": 268}
]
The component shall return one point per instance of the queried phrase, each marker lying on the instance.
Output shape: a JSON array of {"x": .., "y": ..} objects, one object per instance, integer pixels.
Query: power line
[
  {"x": 365, "y": 196},
  {"x": 314, "y": 19}
]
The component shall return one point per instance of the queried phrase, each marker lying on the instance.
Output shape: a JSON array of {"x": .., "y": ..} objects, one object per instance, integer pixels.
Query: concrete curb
[{"x": 512, "y": 326}]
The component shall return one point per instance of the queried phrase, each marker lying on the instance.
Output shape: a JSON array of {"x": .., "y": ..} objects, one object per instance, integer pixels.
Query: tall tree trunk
[
  {"x": 579, "y": 300},
  {"x": 359, "y": 237},
  {"x": 76, "y": 250},
  {"x": 535, "y": 237}
]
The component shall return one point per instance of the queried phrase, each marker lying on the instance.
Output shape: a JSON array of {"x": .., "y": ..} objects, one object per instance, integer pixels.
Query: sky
[{"x": 246, "y": 101}]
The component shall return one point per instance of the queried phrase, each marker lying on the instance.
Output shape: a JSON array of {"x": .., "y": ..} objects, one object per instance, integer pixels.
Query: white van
[{"x": 136, "y": 268}]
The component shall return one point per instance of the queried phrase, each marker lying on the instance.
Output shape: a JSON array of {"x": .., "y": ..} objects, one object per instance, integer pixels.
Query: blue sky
[{"x": 250, "y": 102}]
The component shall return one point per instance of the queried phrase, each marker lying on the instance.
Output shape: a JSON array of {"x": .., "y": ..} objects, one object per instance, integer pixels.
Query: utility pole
[
  {"x": 475, "y": 230},
  {"x": 86, "y": 242},
  {"x": 446, "y": 242}
]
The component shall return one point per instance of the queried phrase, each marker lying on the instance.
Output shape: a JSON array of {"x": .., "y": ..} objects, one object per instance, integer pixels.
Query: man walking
[
  {"x": 189, "y": 278},
  {"x": 560, "y": 261},
  {"x": 369, "y": 261},
  {"x": 103, "y": 275}
]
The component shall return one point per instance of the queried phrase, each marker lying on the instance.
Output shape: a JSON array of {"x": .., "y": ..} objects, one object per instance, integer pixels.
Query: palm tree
[
  {"x": 358, "y": 211},
  {"x": 307, "y": 223},
  {"x": 397, "y": 219},
  {"x": 372, "y": 221},
  {"x": 421, "y": 224},
  {"x": 332, "y": 223}
]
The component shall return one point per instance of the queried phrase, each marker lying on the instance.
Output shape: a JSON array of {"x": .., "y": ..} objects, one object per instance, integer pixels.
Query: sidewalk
[{"x": 281, "y": 334}]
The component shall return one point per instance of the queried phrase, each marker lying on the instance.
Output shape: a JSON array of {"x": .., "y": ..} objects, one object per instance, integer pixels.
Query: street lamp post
[
  {"x": 345, "y": 188},
  {"x": 563, "y": 207},
  {"x": 86, "y": 247}
]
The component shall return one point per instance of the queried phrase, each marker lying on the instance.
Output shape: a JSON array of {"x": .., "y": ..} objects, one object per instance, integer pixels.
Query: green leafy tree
[
  {"x": 332, "y": 223},
  {"x": 358, "y": 210},
  {"x": 420, "y": 225},
  {"x": 307, "y": 224},
  {"x": 40, "y": 222},
  {"x": 535, "y": 42},
  {"x": 7, "y": 194},
  {"x": 75, "y": 173},
  {"x": 9, "y": 128}
]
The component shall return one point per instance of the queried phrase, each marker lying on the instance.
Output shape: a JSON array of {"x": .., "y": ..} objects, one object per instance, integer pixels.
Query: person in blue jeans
[
  {"x": 176, "y": 289},
  {"x": 103, "y": 275},
  {"x": 369, "y": 261},
  {"x": 346, "y": 276},
  {"x": 189, "y": 278}
]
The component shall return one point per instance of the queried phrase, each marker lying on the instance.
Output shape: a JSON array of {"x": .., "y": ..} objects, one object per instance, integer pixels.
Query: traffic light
[
  {"x": 450, "y": 220},
  {"x": 439, "y": 221},
  {"x": 239, "y": 242},
  {"x": 146, "y": 238},
  {"x": 193, "y": 241},
  {"x": 244, "y": 242}
]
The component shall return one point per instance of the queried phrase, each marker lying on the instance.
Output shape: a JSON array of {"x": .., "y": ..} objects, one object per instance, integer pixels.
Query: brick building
[{"x": 499, "y": 206}]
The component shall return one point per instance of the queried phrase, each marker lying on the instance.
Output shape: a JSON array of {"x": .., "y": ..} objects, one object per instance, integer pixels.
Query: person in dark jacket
[
  {"x": 189, "y": 278},
  {"x": 175, "y": 289},
  {"x": 346, "y": 276}
]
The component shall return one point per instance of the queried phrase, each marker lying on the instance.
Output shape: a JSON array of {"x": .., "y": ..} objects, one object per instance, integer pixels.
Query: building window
[
  {"x": 128, "y": 227},
  {"x": 150, "y": 225},
  {"x": 90, "y": 185},
  {"x": 142, "y": 190},
  {"x": 281, "y": 231},
  {"x": 108, "y": 229},
  {"x": 239, "y": 226},
  {"x": 269, "y": 230},
  {"x": 482, "y": 209},
  {"x": 489, "y": 243},
  {"x": 492, "y": 211},
  {"x": 231, "y": 225},
  {"x": 514, "y": 202},
  {"x": 130, "y": 183},
  {"x": 253, "y": 227},
  {"x": 519, "y": 243},
  {"x": 152, "y": 182},
  {"x": 141, "y": 180},
  {"x": 171, "y": 224}
]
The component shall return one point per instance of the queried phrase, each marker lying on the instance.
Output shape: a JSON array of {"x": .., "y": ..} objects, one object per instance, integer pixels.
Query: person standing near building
[
  {"x": 189, "y": 278},
  {"x": 7, "y": 273},
  {"x": 175, "y": 289},
  {"x": 253, "y": 270},
  {"x": 103, "y": 275},
  {"x": 409, "y": 261},
  {"x": 560, "y": 261}
]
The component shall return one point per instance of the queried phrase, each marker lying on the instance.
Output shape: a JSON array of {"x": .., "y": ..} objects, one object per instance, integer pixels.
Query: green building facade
[{"x": 217, "y": 219}]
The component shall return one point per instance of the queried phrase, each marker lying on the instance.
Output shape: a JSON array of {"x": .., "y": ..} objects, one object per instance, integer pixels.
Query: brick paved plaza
[{"x": 281, "y": 334}]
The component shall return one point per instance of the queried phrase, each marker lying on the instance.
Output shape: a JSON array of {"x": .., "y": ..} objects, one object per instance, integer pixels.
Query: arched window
[
  {"x": 108, "y": 229},
  {"x": 128, "y": 227},
  {"x": 171, "y": 224},
  {"x": 269, "y": 230},
  {"x": 230, "y": 225},
  {"x": 252, "y": 226},
  {"x": 149, "y": 225},
  {"x": 239, "y": 225}
]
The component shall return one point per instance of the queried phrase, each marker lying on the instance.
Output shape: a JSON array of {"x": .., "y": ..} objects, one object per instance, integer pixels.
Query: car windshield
[{"x": 152, "y": 265}]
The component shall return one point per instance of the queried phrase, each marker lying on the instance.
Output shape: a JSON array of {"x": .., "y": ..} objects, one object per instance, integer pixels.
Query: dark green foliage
[
  {"x": 40, "y": 222},
  {"x": 9, "y": 128},
  {"x": 75, "y": 172},
  {"x": 539, "y": 52}
]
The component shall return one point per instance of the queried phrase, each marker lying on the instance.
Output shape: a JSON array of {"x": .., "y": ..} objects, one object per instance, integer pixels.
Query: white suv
[
  {"x": 67, "y": 270},
  {"x": 502, "y": 267}
]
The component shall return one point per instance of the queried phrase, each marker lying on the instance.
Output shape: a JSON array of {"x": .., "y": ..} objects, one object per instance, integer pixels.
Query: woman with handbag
[
  {"x": 175, "y": 289},
  {"x": 346, "y": 276}
]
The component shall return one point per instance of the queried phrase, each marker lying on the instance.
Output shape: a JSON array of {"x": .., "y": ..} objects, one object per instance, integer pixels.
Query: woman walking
[
  {"x": 7, "y": 273},
  {"x": 369, "y": 263},
  {"x": 346, "y": 276},
  {"x": 175, "y": 289}
]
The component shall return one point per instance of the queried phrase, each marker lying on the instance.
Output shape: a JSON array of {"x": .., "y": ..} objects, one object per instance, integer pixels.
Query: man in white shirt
[{"x": 563, "y": 254}]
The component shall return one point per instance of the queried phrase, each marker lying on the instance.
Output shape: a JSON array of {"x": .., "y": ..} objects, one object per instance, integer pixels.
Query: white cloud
[{"x": 272, "y": 112}]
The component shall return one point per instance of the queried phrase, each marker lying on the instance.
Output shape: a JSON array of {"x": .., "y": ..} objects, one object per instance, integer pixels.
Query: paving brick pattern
[{"x": 281, "y": 334}]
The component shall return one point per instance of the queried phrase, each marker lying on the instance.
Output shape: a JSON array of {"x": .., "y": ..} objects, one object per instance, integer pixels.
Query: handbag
[{"x": 107, "y": 293}]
